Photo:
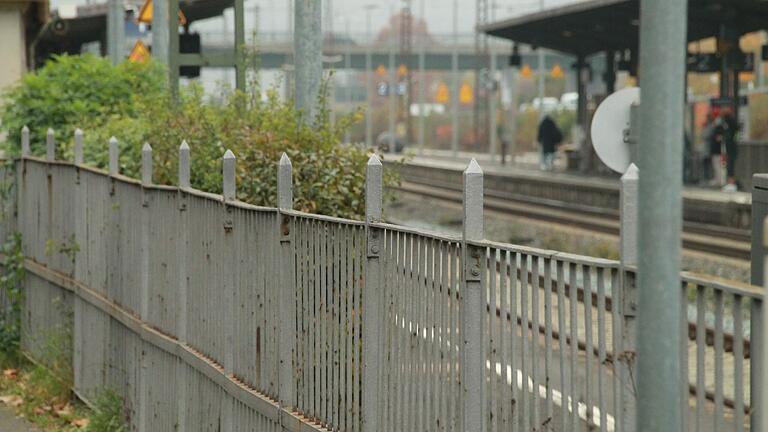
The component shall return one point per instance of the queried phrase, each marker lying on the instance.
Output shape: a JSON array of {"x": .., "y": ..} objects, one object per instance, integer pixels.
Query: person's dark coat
[{"x": 549, "y": 135}]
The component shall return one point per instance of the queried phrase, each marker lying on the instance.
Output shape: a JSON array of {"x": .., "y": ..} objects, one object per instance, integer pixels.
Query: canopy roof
[{"x": 599, "y": 25}]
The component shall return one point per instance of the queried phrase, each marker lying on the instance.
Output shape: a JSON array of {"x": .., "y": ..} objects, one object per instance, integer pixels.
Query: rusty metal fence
[{"x": 207, "y": 313}]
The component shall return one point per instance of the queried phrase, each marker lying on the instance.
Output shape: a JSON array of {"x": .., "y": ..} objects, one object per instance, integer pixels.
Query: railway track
[{"x": 698, "y": 237}]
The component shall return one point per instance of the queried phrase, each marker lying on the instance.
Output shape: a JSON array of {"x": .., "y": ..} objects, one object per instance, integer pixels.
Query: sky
[{"x": 273, "y": 14}]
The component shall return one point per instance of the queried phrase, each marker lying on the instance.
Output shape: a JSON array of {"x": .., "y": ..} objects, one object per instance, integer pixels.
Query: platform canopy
[{"x": 593, "y": 26}]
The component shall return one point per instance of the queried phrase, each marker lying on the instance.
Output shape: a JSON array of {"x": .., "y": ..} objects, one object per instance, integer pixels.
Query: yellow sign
[
  {"x": 145, "y": 14},
  {"x": 557, "y": 71},
  {"x": 139, "y": 53},
  {"x": 526, "y": 71},
  {"x": 442, "y": 95},
  {"x": 381, "y": 71},
  {"x": 402, "y": 70},
  {"x": 466, "y": 94}
]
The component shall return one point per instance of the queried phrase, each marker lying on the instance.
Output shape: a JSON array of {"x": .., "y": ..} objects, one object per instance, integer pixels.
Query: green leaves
[{"x": 11, "y": 285}]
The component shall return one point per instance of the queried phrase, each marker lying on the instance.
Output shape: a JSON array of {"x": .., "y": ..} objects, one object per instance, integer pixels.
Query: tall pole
[
  {"x": 455, "y": 82},
  {"x": 422, "y": 82},
  {"x": 240, "y": 45},
  {"x": 115, "y": 30},
  {"x": 493, "y": 136},
  {"x": 392, "y": 87},
  {"x": 542, "y": 73},
  {"x": 368, "y": 77},
  {"x": 662, "y": 68},
  {"x": 347, "y": 73},
  {"x": 308, "y": 54}
]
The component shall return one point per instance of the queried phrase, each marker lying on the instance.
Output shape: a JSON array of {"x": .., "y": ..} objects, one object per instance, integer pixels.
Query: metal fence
[{"x": 207, "y": 313}]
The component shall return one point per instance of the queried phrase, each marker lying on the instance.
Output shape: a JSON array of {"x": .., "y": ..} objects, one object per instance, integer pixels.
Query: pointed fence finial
[
  {"x": 184, "y": 165},
  {"x": 374, "y": 173},
  {"x": 50, "y": 146},
  {"x": 229, "y": 187},
  {"x": 629, "y": 215},
  {"x": 25, "y": 152},
  {"x": 473, "y": 201},
  {"x": 146, "y": 164},
  {"x": 284, "y": 183},
  {"x": 114, "y": 157},
  {"x": 78, "y": 146}
]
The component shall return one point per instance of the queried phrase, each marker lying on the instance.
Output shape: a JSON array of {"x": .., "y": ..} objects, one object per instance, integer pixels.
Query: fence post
[
  {"x": 628, "y": 244},
  {"x": 181, "y": 256},
  {"x": 472, "y": 303},
  {"x": 50, "y": 146},
  {"x": 25, "y": 151},
  {"x": 228, "y": 172},
  {"x": 144, "y": 296},
  {"x": 287, "y": 341},
  {"x": 146, "y": 164},
  {"x": 78, "y": 146},
  {"x": 114, "y": 157},
  {"x": 759, "y": 350},
  {"x": 372, "y": 296},
  {"x": 184, "y": 181},
  {"x": 229, "y": 191}
]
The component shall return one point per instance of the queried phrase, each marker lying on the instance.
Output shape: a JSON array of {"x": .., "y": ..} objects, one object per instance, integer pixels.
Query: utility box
[{"x": 759, "y": 212}]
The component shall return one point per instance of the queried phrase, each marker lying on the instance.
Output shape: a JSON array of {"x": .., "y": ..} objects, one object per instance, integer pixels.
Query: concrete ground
[{"x": 10, "y": 423}]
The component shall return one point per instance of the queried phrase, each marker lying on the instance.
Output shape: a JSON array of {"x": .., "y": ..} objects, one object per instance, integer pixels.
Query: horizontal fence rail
[{"x": 206, "y": 313}]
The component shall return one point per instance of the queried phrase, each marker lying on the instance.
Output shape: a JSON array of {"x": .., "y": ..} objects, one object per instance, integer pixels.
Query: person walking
[
  {"x": 730, "y": 130},
  {"x": 549, "y": 137},
  {"x": 708, "y": 136}
]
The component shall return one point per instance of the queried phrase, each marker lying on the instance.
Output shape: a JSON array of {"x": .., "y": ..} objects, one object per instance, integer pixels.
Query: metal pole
[
  {"x": 455, "y": 82},
  {"x": 368, "y": 78},
  {"x": 392, "y": 89},
  {"x": 628, "y": 242},
  {"x": 473, "y": 305},
  {"x": 512, "y": 131},
  {"x": 659, "y": 341},
  {"x": 492, "y": 93},
  {"x": 759, "y": 372},
  {"x": 372, "y": 296},
  {"x": 287, "y": 299},
  {"x": 115, "y": 30},
  {"x": 347, "y": 74},
  {"x": 173, "y": 46},
  {"x": 160, "y": 31},
  {"x": 240, "y": 45},
  {"x": 308, "y": 54},
  {"x": 422, "y": 83},
  {"x": 542, "y": 73}
]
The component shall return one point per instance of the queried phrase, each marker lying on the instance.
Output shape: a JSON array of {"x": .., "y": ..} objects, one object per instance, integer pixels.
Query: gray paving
[{"x": 10, "y": 423}]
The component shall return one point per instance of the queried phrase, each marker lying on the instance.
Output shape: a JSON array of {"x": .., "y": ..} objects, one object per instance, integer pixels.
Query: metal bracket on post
[
  {"x": 372, "y": 296},
  {"x": 114, "y": 162},
  {"x": 287, "y": 297},
  {"x": 78, "y": 150},
  {"x": 473, "y": 304}
]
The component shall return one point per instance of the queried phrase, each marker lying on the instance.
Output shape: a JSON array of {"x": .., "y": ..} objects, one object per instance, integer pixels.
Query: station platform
[{"x": 524, "y": 180}]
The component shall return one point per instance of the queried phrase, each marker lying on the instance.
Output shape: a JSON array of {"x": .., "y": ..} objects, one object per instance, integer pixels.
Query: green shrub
[
  {"x": 71, "y": 90},
  {"x": 127, "y": 101},
  {"x": 328, "y": 178}
]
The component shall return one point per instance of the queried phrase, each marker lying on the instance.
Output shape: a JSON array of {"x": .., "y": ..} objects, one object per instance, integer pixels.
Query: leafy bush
[
  {"x": 70, "y": 91},
  {"x": 328, "y": 178},
  {"x": 127, "y": 102}
]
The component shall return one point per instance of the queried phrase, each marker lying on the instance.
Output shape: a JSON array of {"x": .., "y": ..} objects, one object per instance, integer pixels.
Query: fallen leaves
[
  {"x": 10, "y": 374},
  {"x": 12, "y": 400},
  {"x": 81, "y": 422}
]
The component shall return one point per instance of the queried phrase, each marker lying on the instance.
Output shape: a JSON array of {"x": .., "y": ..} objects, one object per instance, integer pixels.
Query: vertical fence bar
[
  {"x": 288, "y": 294},
  {"x": 114, "y": 157},
  {"x": 78, "y": 150},
  {"x": 25, "y": 151},
  {"x": 473, "y": 313},
  {"x": 627, "y": 296},
  {"x": 372, "y": 296},
  {"x": 662, "y": 53},
  {"x": 183, "y": 287},
  {"x": 50, "y": 146}
]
